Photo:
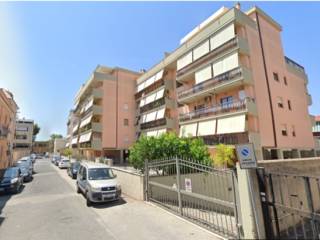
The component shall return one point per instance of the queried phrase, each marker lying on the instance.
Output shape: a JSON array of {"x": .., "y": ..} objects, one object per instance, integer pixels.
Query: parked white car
[
  {"x": 64, "y": 163},
  {"x": 97, "y": 182}
]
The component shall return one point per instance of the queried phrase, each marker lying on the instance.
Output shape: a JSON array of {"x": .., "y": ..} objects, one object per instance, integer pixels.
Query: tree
[
  {"x": 36, "y": 130},
  {"x": 53, "y": 136},
  {"x": 224, "y": 156},
  {"x": 67, "y": 152},
  {"x": 166, "y": 146}
]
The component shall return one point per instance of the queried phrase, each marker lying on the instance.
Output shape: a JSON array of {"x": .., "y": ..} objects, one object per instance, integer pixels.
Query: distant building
[
  {"x": 59, "y": 144},
  {"x": 8, "y": 111},
  {"x": 41, "y": 147},
  {"x": 106, "y": 109},
  {"x": 23, "y": 138},
  {"x": 73, "y": 123}
]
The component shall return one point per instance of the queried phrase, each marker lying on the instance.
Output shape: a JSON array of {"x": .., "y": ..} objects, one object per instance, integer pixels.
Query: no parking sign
[{"x": 246, "y": 156}]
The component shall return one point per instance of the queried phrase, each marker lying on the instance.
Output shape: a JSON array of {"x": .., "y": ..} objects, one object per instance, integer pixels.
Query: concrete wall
[{"x": 132, "y": 184}]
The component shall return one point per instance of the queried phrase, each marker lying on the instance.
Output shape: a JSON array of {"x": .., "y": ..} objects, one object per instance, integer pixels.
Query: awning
[
  {"x": 207, "y": 128},
  {"x": 88, "y": 105},
  {"x": 188, "y": 130},
  {"x": 67, "y": 144},
  {"x": 160, "y": 113},
  {"x": 160, "y": 94},
  {"x": 235, "y": 124},
  {"x": 74, "y": 140},
  {"x": 75, "y": 128},
  {"x": 86, "y": 120},
  {"x": 151, "y": 116},
  {"x": 156, "y": 133},
  {"x": 158, "y": 75},
  {"x": 85, "y": 137}
]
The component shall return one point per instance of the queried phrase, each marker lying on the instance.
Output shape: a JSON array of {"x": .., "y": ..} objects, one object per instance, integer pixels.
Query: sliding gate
[{"x": 199, "y": 193}]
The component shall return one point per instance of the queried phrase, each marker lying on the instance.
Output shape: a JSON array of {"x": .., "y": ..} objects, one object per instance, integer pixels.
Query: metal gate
[
  {"x": 291, "y": 205},
  {"x": 197, "y": 192}
]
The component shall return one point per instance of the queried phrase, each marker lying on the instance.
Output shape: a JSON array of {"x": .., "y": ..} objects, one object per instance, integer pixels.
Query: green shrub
[
  {"x": 224, "y": 156},
  {"x": 166, "y": 146}
]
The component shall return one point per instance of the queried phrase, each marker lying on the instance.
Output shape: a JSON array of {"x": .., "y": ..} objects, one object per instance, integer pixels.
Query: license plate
[{"x": 109, "y": 195}]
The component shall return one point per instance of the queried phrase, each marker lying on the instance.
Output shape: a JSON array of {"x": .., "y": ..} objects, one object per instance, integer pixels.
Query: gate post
[
  {"x": 178, "y": 186},
  {"x": 250, "y": 205},
  {"x": 146, "y": 180}
]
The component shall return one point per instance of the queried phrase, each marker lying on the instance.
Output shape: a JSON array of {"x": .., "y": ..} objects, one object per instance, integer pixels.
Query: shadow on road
[
  {"x": 4, "y": 198},
  {"x": 121, "y": 201}
]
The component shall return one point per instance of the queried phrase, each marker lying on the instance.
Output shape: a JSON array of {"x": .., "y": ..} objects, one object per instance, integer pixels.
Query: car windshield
[
  {"x": 100, "y": 174},
  {"x": 8, "y": 173},
  {"x": 23, "y": 165}
]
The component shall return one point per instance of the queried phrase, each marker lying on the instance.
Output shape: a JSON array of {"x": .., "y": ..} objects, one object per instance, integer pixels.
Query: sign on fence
[
  {"x": 246, "y": 156},
  {"x": 188, "y": 185}
]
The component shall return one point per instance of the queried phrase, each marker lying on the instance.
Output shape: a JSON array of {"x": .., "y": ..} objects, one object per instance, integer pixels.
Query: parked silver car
[
  {"x": 64, "y": 163},
  {"x": 98, "y": 183}
]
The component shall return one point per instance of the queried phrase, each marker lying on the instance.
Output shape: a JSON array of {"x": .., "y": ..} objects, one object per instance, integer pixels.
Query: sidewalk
[{"x": 132, "y": 219}]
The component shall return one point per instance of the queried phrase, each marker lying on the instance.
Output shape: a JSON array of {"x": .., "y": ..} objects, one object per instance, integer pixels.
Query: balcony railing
[
  {"x": 153, "y": 105},
  {"x": 94, "y": 126},
  {"x": 150, "y": 88},
  {"x": 215, "y": 110},
  {"x": 224, "y": 77},
  {"x": 152, "y": 124},
  {"x": 229, "y": 139},
  {"x": 215, "y": 52}
]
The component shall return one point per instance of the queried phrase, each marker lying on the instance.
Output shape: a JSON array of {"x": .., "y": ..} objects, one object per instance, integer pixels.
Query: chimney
[
  {"x": 142, "y": 70},
  {"x": 238, "y": 6}
]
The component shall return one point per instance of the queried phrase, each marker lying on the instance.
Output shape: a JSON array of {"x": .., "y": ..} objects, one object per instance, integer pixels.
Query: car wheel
[
  {"x": 78, "y": 189},
  {"x": 89, "y": 203},
  {"x": 74, "y": 176}
]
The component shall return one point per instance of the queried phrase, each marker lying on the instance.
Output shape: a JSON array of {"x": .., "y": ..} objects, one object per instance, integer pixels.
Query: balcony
[
  {"x": 150, "y": 88},
  {"x": 233, "y": 78},
  {"x": 157, "y": 123},
  {"x": 94, "y": 144},
  {"x": 95, "y": 127},
  {"x": 228, "y": 139},
  {"x": 4, "y": 131},
  {"x": 247, "y": 105},
  {"x": 236, "y": 43},
  {"x": 97, "y": 93},
  {"x": 158, "y": 103}
]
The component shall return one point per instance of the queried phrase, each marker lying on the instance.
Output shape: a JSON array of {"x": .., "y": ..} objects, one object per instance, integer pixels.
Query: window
[
  {"x": 126, "y": 122},
  {"x": 125, "y": 106},
  {"x": 276, "y": 76},
  {"x": 285, "y": 81},
  {"x": 293, "y": 131},
  {"x": 284, "y": 130},
  {"x": 226, "y": 101},
  {"x": 289, "y": 105},
  {"x": 280, "y": 102}
]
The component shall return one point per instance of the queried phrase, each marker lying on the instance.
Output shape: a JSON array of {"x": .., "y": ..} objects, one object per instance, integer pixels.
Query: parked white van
[{"x": 97, "y": 182}]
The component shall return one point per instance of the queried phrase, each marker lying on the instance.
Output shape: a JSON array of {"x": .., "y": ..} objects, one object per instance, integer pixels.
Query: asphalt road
[{"x": 48, "y": 208}]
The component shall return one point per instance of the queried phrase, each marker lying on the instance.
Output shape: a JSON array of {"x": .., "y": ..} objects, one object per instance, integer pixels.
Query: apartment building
[
  {"x": 8, "y": 111},
  {"x": 105, "y": 107},
  {"x": 230, "y": 82},
  {"x": 59, "y": 144},
  {"x": 23, "y": 138},
  {"x": 73, "y": 122}
]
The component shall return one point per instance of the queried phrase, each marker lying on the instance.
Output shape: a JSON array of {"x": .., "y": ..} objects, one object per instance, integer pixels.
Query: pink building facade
[
  {"x": 105, "y": 109},
  {"x": 230, "y": 82}
]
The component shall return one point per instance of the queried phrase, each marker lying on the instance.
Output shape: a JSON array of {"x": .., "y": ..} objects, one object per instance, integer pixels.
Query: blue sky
[{"x": 48, "y": 49}]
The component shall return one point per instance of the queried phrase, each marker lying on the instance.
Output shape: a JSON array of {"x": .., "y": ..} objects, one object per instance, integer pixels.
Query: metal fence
[
  {"x": 291, "y": 205},
  {"x": 199, "y": 193}
]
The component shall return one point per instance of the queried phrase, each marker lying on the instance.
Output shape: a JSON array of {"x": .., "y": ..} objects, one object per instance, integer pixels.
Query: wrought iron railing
[
  {"x": 215, "y": 52},
  {"x": 227, "y": 76},
  {"x": 152, "y": 124},
  {"x": 214, "y": 110},
  {"x": 229, "y": 139},
  {"x": 153, "y": 105}
]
